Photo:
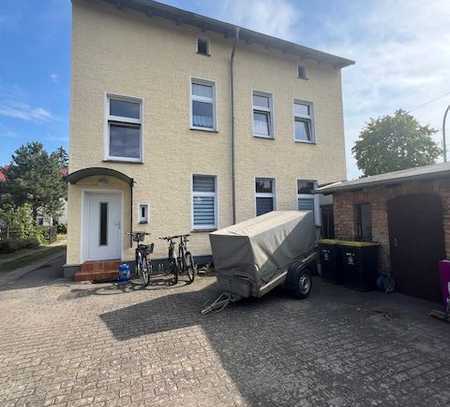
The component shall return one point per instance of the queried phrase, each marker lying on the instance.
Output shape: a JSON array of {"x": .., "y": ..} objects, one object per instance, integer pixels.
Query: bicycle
[
  {"x": 185, "y": 260},
  {"x": 183, "y": 263},
  {"x": 143, "y": 267},
  {"x": 172, "y": 267}
]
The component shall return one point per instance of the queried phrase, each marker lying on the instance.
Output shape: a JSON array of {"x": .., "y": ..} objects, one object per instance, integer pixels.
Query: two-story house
[{"x": 184, "y": 124}]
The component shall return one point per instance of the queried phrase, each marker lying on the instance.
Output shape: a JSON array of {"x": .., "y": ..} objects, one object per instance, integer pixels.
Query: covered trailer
[{"x": 255, "y": 256}]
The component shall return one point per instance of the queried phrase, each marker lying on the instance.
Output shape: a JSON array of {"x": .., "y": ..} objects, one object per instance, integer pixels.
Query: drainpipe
[
  {"x": 233, "y": 153},
  {"x": 131, "y": 212}
]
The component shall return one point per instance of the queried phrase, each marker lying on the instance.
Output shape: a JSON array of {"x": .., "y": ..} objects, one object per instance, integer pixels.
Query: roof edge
[
  {"x": 369, "y": 182},
  {"x": 154, "y": 8}
]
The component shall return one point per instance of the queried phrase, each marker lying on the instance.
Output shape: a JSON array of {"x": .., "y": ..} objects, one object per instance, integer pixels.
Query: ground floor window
[
  {"x": 204, "y": 202},
  {"x": 307, "y": 199},
  {"x": 265, "y": 195}
]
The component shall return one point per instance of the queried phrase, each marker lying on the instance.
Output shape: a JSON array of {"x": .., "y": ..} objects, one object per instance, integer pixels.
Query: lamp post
[{"x": 444, "y": 143}]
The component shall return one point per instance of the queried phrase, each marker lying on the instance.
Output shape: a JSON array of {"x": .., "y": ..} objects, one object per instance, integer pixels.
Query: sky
[{"x": 401, "y": 49}]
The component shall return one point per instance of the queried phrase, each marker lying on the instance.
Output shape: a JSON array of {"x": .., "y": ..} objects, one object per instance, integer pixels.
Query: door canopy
[{"x": 76, "y": 176}]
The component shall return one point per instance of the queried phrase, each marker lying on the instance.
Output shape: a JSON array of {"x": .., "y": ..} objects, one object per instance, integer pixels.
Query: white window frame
[
  {"x": 200, "y": 38},
  {"x": 269, "y": 110},
  {"x": 201, "y": 228},
  {"x": 314, "y": 196},
  {"x": 212, "y": 100},
  {"x": 143, "y": 221},
  {"x": 310, "y": 118},
  {"x": 125, "y": 120},
  {"x": 272, "y": 195}
]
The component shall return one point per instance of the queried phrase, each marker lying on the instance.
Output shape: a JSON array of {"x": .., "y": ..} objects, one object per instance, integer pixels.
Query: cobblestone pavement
[{"x": 67, "y": 344}]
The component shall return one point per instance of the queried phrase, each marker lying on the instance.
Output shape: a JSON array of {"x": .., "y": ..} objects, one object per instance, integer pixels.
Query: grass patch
[{"x": 30, "y": 258}]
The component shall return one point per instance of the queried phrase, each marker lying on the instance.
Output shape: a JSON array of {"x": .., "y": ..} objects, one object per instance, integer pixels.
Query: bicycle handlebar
[{"x": 173, "y": 237}]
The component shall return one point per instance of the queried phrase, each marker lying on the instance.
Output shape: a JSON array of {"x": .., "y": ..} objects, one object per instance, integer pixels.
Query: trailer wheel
[{"x": 301, "y": 283}]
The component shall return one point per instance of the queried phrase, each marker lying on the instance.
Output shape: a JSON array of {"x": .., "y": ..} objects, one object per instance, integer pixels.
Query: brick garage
[{"x": 377, "y": 192}]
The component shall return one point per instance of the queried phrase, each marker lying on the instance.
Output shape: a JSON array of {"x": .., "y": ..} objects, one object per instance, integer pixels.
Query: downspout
[
  {"x": 131, "y": 212},
  {"x": 233, "y": 153}
]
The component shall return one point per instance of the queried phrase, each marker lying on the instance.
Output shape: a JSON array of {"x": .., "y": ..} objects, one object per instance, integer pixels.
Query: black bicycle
[
  {"x": 183, "y": 263},
  {"x": 143, "y": 267}
]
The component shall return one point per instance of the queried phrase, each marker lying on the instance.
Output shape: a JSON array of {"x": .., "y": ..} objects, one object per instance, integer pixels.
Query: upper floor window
[
  {"x": 301, "y": 72},
  {"x": 265, "y": 195},
  {"x": 203, "y": 46},
  {"x": 262, "y": 115},
  {"x": 307, "y": 199},
  {"x": 363, "y": 222},
  {"x": 203, "y": 105},
  {"x": 124, "y": 121},
  {"x": 204, "y": 202},
  {"x": 303, "y": 122}
]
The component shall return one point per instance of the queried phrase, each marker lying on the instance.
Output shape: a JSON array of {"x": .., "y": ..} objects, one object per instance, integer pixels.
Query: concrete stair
[{"x": 98, "y": 271}]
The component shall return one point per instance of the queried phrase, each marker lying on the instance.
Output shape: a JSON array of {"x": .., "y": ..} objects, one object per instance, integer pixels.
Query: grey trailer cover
[{"x": 261, "y": 248}]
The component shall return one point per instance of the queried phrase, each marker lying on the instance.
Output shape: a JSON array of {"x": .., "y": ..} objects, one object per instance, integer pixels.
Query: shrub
[
  {"x": 62, "y": 229},
  {"x": 20, "y": 224},
  {"x": 32, "y": 243},
  {"x": 48, "y": 233},
  {"x": 12, "y": 245}
]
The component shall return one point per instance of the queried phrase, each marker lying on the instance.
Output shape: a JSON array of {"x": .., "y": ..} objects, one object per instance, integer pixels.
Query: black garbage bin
[
  {"x": 359, "y": 264},
  {"x": 330, "y": 261}
]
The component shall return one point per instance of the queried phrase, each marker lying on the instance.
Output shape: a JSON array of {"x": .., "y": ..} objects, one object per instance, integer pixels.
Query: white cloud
[
  {"x": 51, "y": 137},
  {"x": 401, "y": 49},
  {"x": 23, "y": 111},
  {"x": 273, "y": 17},
  {"x": 402, "y": 53},
  {"x": 54, "y": 77}
]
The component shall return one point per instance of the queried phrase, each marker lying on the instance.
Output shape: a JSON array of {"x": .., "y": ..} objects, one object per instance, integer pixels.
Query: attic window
[
  {"x": 301, "y": 72},
  {"x": 203, "y": 46}
]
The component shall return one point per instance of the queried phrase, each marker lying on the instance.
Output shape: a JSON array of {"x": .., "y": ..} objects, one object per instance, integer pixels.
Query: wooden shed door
[{"x": 417, "y": 244}]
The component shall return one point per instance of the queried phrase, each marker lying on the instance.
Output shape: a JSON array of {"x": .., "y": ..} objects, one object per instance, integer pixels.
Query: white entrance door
[{"x": 102, "y": 228}]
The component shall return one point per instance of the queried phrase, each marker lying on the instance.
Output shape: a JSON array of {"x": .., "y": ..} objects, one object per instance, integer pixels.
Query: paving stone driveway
[{"x": 64, "y": 344}]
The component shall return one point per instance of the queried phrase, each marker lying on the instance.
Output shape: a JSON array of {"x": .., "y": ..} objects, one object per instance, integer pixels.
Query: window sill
[
  {"x": 202, "y": 129},
  {"x": 305, "y": 142},
  {"x": 263, "y": 137},
  {"x": 203, "y": 230},
  {"x": 112, "y": 160},
  {"x": 203, "y": 54}
]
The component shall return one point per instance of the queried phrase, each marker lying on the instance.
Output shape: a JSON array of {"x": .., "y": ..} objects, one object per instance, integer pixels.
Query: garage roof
[
  {"x": 154, "y": 8},
  {"x": 411, "y": 174}
]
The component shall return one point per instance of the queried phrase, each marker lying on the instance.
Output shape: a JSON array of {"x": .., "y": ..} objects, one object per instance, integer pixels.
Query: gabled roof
[
  {"x": 389, "y": 178},
  {"x": 153, "y": 8}
]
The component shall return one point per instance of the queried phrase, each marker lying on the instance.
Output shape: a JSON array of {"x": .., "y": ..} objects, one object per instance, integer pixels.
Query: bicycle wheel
[
  {"x": 189, "y": 266},
  {"x": 173, "y": 269},
  {"x": 145, "y": 271},
  {"x": 137, "y": 267}
]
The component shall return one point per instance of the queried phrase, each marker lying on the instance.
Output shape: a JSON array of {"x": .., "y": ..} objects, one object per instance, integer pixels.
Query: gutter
[{"x": 233, "y": 131}]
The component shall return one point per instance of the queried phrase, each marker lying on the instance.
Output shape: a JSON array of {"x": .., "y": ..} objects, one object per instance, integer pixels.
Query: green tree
[
  {"x": 392, "y": 143},
  {"x": 35, "y": 177}
]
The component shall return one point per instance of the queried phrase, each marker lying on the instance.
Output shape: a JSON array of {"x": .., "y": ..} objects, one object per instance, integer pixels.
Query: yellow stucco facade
[{"x": 121, "y": 52}]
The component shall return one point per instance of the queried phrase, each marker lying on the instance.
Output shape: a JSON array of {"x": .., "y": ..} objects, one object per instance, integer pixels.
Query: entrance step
[{"x": 98, "y": 271}]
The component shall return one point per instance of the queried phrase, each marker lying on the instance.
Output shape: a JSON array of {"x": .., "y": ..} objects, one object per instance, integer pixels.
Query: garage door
[{"x": 416, "y": 243}]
